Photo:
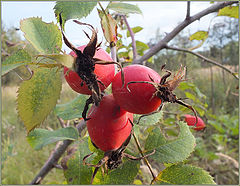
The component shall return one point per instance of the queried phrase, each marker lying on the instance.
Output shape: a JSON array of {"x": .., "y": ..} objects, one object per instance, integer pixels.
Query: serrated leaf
[
  {"x": 38, "y": 96},
  {"x": 184, "y": 175},
  {"x": 46, "y": 38},
  {"x": 39, "y": 138},
  {"x": 74, "y": 170},
  {"x": 135, "y": 30},
  {"x": 230, "y": 11},
  {"x": 124, "y": 174},
  {"x": 19, "y": 58},
  {"x": 172, "y": 151},
  {"x": 72, "y": 109},
  {"x": 63, "y": 59},
  {"x": 148, "y": 120},
  {"x": 109, "y": 26},
  {"x": 73, "y": 9},
  {"x": 124, "y": 8}
]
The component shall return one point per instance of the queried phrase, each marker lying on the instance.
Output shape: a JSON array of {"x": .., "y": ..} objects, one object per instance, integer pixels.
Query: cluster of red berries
[{"x": 110, "y": 123}]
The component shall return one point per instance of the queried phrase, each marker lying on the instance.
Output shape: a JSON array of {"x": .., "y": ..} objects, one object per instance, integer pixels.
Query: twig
[
  {"x": 161, "y": 44},
  {"x": 145, "y": 159},
  {"x": 188, "y": 10},
  {"x": 113, "y": 53},
  {"x": 55, "y": 156},
  {"x": 235, "y": 162},
  {"x": 132, "y": 37},
  {"x": 204, "y": 58}
]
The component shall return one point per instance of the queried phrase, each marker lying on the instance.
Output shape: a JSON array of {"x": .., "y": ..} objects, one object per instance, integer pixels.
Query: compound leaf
[
  {"x": 19, "y": 58},
  {"x": 39, "y": 138},
  {"x": 184, "y": 175},
  {"x": 38, "y": 96},
  {"x": 72, "y": 109},
  {"x": 124, "y": 8},
  {"x": 171, "y": 151},
  {"x": 73, "y": 9},
  {"x": 46, "y": 38},
  {"x": 230, "y": 11}
]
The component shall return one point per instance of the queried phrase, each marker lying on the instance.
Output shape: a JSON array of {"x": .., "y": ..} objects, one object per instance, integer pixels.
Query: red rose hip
[
  {"x": 140, "y": 99},
  {"x": 191, "y": 120},
  {"x": 109, "y": 125},
  {"x": 105, "y": 73}
]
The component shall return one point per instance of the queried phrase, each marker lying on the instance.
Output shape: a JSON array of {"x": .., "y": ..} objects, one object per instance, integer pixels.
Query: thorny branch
[
  {"x": 188, "y": 10},
  {"x": 161, "y": 44},
  {"x": 55, "y": 156},
  {"x": 205, "y": 59}
]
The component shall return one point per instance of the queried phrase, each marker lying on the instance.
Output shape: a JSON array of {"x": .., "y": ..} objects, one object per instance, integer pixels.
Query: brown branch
[
  {"x": 132, "y": 37},
  {"x": 161, "y": 44},
  {"x": 55, "y": 156},
  {"x": 188, "y": 10},
  {"x": 205, "y": 59}
]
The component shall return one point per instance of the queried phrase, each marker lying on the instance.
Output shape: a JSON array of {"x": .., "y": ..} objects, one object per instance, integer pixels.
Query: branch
[
  {"x": 204, "y": 59},
  {"x": 161, "y": 44},
  {"x": 188, "y": 10},
  {"x": 55, "y": 156},
  {"x": 132, "y": 37}
]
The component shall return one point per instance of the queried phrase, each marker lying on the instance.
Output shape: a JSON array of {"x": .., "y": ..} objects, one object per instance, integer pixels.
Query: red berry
[
  {"x": 191, "y": 120},
  {"x": 108, "y": 126},
  {"x": 105, "y": 73},
  {"x": 140, "y": 99}
]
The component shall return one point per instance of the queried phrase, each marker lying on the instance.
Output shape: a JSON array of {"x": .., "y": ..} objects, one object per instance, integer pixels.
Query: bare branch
[
  {"x": 132, "y": 37},
  {"x": 188, "y": 10},
  {"x": 205, "y": 59},
  {"x": 161, "y": 44},
  {"x": 55, "y": 156}
]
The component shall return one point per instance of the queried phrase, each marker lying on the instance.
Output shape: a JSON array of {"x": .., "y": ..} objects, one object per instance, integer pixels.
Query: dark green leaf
[
  {"x": 124, "y": 8},
  {"x": 19, "y": 58},
  {"x": 171, "y": 151},
  {"x": 230, "y": 11},
  {"x": 39, "y": 138},
  {"x": 38, "y": 96},
  {"x": 135, "y": 30},
  {"x": 184, "y": 175},
  {"x": 73, "y": 9},
  {"x": 73, "y": 109},
  {"x": 46, "y": 38}
]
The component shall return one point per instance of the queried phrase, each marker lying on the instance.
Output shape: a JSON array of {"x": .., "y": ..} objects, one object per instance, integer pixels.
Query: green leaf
[
  {"x": 148, "y": 120},
  {"x": 46, "y": 38},
  {"x": 230, "y": 11},
  {"x": 184, "y": 175},
  {"x": 199, "y": 36},
  {"x": 124, "y": 8},
  {"x": 19, "y": 58},
  {"x": 124, "y": 174},
  {"x": 74, "y": 171},
  {"x": 72, "y": 109},
  {"x": 171, "y": 151},
  {"x": 141, "y": 47},
  {"x": 109, "y": 26},
  {"x": 38, "y": 96},
  {"x": 63, "y": 59},
  {"x": 135, "y": 30},
  {"x": 73, "y": 9},
  {"x": 39, "y": 138}
]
